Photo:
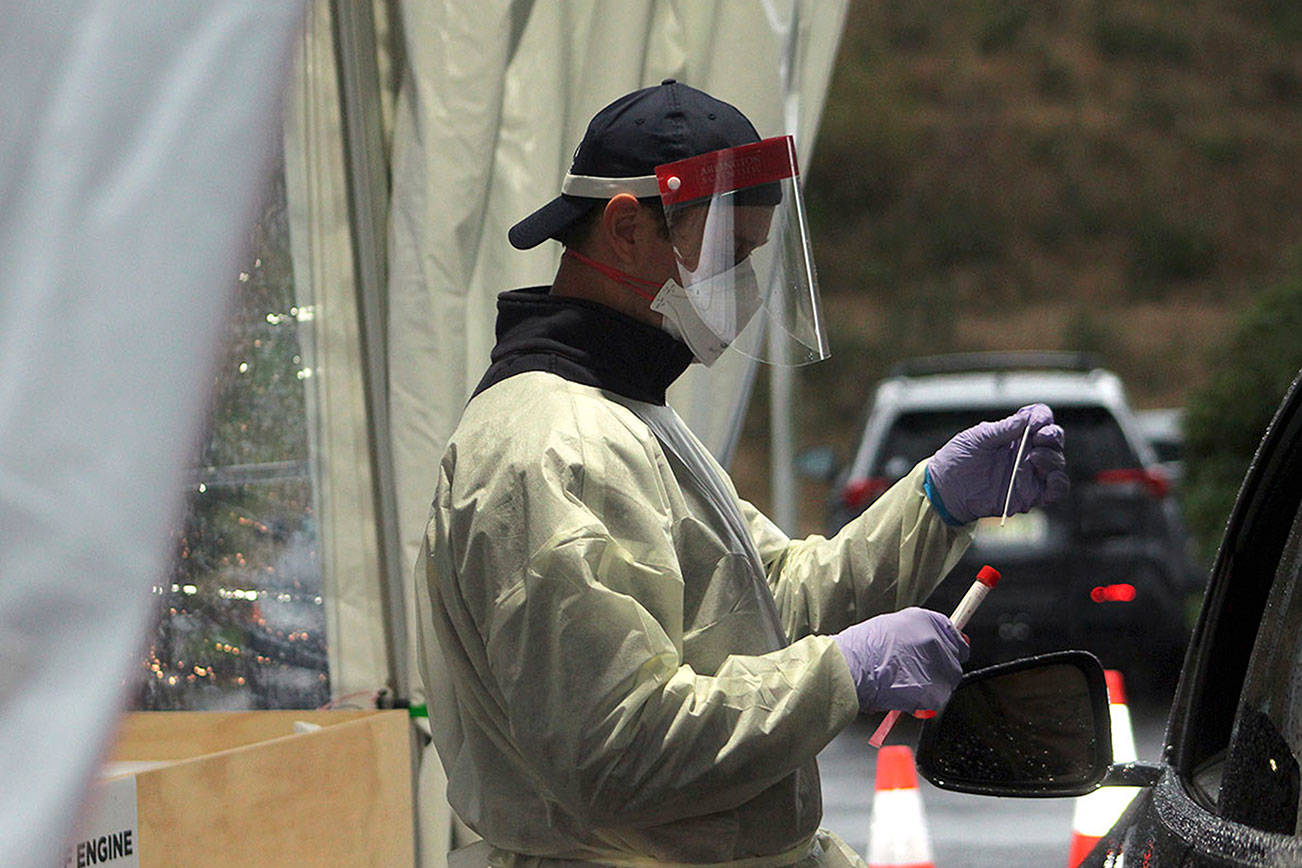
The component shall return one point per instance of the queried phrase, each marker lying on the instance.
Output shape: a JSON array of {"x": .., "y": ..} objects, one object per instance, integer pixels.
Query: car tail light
[
  {"x": 1152, "y": 481},
  {"x": 1121, "y": 592},
  {"x": 858, "y": 493}
]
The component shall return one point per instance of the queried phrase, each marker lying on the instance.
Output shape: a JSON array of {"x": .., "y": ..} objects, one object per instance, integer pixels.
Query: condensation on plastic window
[{"x": 241, "y": 620}]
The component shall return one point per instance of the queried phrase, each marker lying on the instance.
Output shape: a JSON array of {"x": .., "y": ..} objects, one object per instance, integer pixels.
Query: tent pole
[
  {"x": 782, "y": 380},
  {"x": 368, "y": 205}
]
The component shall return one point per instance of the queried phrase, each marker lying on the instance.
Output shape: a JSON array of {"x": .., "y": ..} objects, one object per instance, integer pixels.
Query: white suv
[{"x": 1107, "y": 569}]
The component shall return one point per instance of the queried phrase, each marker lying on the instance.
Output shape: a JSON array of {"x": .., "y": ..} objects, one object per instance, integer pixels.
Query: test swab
[
  {"x": 1013, "y": 477},
  {"x": 987, "y": 578}
]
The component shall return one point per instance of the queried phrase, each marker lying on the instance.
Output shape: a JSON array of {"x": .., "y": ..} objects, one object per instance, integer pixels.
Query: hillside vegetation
[{"x": 1109, "y": 175}]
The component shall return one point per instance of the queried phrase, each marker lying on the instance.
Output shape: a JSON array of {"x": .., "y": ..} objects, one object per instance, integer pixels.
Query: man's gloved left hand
[{"x": 968, "y": 477}]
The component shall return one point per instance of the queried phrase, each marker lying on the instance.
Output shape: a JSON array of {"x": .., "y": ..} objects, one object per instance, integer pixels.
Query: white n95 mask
[{"x": 710, "y": 313}]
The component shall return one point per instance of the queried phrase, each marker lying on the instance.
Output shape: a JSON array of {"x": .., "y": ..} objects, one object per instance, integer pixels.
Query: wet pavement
[{"x": 965, "y": 830}]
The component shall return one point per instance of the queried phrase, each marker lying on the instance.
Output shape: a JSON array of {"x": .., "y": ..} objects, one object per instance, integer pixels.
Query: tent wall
[
  {"x": 324, "y": 277},
  {"x": 136, "y": 140},
  {"x": 496, "y": 97}
]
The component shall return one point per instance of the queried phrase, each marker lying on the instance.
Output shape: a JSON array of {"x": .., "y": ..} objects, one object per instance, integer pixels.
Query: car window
[
  {"x": 1237, "y": 709},
  {"x": 1260, "y": 787},
  {"x": 1094, "y": 440}
]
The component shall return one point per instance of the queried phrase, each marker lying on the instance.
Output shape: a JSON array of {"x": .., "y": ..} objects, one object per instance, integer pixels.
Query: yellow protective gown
[{"x": 633, "y": 671}]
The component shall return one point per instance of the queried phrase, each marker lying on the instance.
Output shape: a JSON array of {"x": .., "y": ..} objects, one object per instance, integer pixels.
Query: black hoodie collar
[{"x": 584, "y": 342}]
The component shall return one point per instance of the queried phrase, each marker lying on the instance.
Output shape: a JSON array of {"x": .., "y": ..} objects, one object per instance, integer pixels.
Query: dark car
[
  {"x": 1227, "y": 790},
  {"x": 1106, "y": 570}
]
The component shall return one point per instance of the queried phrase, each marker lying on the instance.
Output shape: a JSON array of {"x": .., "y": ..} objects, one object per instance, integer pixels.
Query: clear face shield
[{"x": 745, "y": 275}]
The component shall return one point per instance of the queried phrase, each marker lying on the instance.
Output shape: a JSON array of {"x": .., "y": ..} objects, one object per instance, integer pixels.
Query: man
[{"x": 642, "y": 667}]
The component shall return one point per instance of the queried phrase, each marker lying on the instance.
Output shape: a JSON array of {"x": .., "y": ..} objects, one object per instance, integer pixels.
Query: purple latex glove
[
  {"x": 969, "y": 474},
  {"x": 906, "y": 660}
]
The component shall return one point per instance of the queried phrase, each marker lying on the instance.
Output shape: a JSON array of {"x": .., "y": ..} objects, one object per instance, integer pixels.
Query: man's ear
[{"x": 619, "y": 223}]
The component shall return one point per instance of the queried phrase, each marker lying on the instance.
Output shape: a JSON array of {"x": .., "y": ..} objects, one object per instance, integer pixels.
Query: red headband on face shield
[{"x": 733, "y": 170}]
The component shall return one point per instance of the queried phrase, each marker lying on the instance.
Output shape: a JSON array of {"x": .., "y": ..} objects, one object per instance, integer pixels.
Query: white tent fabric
[
  {"x": 136, "y": 135},
  {"x": 497, "y": 95},
  {"x": 322, "y": 252},
  {"x": 486, "y": 129}
]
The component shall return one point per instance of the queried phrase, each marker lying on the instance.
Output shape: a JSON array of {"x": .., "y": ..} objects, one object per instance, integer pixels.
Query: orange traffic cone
[
  {"x": 897, "y": 834},
  {"x": 1097, "y": 811}
]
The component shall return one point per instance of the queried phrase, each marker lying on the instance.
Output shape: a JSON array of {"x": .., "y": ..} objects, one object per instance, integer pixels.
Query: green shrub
[
  {"x": 958, "y": 229},
  {"x": 1163, "y": 252},
  {"x": 1056, "y": 81},
  {"x": 1285, "y": 19},
  {"x": 1220, "y": 150},
  {"x": 1003, "y": 24},
  {"x": 1118, "y": 39},
  {"x": 1283, "y": 84},
  {"x": 1154, "y": 110},
  {"x": 1087, "y": 330},
  {"x": 1226, "y": 418}
]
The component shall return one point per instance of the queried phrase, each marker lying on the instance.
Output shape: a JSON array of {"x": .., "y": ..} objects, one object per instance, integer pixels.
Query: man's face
[
  {"x": 709, "y": 239},
  {"x": 705, "y": 242}
]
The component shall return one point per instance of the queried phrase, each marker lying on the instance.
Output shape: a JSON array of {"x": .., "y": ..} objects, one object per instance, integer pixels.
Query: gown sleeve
[{"x": 891, "y": 556}]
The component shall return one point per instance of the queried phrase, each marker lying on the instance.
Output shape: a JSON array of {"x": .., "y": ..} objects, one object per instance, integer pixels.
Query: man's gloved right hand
[
  {"x": 968, "y": 477},
  {"x": 906, "y": 660}
]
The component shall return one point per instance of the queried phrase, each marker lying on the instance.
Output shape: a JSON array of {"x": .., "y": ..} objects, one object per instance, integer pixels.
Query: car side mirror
[{"x": 1039, "y": 726}]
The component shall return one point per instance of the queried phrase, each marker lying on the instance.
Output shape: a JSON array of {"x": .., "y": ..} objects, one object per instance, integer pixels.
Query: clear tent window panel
[{"x": 241, "y": 621}]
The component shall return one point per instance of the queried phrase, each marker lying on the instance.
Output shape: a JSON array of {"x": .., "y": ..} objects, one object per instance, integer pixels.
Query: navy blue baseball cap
[{"x": 625, "y": 142}]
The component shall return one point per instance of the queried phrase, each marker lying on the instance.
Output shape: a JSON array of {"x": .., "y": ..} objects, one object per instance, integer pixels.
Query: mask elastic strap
[{"x": 645, "y": 288}]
